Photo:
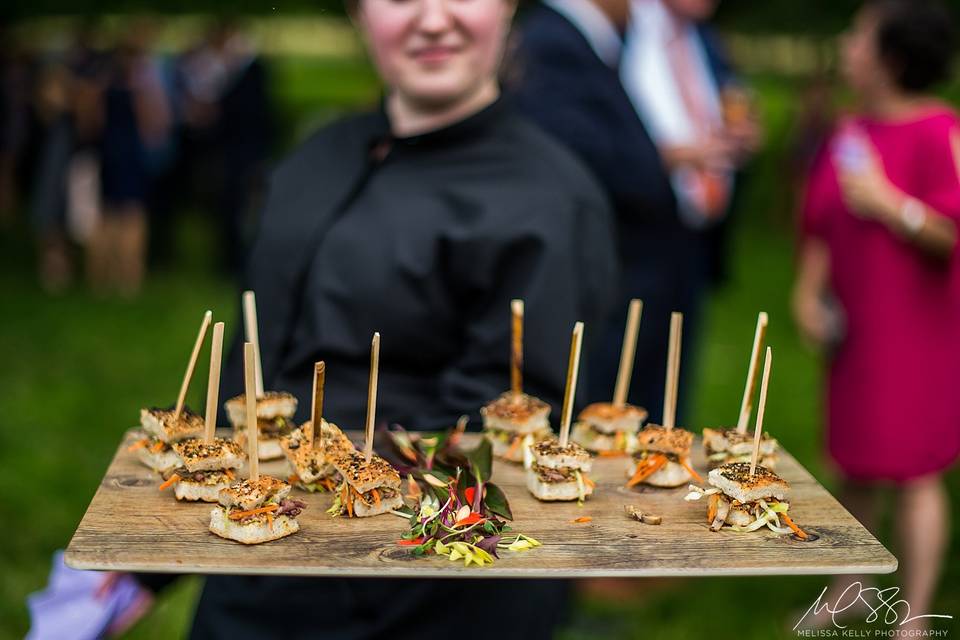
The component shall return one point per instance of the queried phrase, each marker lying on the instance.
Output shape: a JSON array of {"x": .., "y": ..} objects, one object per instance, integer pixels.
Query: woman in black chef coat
[{"x": 421, "y": 221}]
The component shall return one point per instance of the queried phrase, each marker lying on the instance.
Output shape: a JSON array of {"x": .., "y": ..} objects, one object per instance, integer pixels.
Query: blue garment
[
  {"x": 557, "y": 79},
  {"x": 124, "y": 177}
]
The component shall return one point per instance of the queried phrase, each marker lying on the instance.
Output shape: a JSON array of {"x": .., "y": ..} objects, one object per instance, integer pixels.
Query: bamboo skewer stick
[
  {"x": 516, "y": 346},
  {"x": 252, "y": 329},
  {"x": 627, "y": 352},
  {"x": 253, "y": 429},
  {"x": 213, "y": 384},
  {"x": 761, "y": 405},
  {"x": 182, "y": 396},
  {"x": 746, "y": 405},
  {"x": 673, "y": 371},
  {"x": 313, "y": 428},
  {"x": 372, "y": 395},
  {"x": 573, "y": 369}
]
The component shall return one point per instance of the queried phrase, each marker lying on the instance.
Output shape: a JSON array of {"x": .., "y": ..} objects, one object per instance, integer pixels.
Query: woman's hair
[{"x": 915, "y": 39}]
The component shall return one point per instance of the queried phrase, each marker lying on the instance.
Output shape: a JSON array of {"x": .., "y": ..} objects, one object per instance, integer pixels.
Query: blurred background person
[
  {"x": 878, "y": 282},
  {"x": 14, "y": 117},
  {"x": 244, "y": 130},
  {"x": 224, "y": 133},
  {"x": 594, "y": 73},
  {"x": 65, "y": 158},
  {"x": 131, "y": 118},
  {"x": 421, "y": 220},
  {"x": 703, "y": 122},
  {"x": 563, "y": 74},
  {"x": 48, "y": 200}
]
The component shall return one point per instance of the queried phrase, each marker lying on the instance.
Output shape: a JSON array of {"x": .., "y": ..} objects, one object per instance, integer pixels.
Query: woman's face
[
  {"x": 435, "y": 52},
  {"x": 860, "y": 61}
]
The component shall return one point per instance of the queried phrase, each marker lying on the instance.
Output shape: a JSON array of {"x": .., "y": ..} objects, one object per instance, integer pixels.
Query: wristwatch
[{"x": 913, "y": 214}]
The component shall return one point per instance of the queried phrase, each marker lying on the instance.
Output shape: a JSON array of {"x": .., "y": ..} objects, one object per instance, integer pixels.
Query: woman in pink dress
[{"x": 879, "y": 280}]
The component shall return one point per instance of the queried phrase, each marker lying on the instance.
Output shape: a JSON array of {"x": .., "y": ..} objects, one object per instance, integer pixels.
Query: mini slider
[{"x": 257, "y": 509}]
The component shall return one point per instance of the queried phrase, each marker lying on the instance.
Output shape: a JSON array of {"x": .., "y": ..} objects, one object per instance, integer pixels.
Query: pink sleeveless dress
[{"x": 893, "y": 390}]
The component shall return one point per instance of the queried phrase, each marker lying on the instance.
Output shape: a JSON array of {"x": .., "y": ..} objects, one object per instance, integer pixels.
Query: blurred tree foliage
[
  {"x": 770, "y": 16},
  {"x": 814, "y": 17}
]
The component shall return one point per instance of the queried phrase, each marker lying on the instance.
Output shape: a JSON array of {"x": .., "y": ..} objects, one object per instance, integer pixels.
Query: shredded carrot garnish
[
  {"x": 513, "y": 447},
  {"x": 587, "y": 481},
  {"x": 327, "y": 483},
  {"x": 350, "y": 502},
  {"x": 139, "y": 444},
  {"x": 376, "y": 496},
  {"x": 581, "y": 520},
  {"x": 293, "y": 478},
  {"x": 270, "y": 520},
  {"x": 172, "y": 480},
  {"x": 229, "y": 473},
  {"x": 612, "y": 454},
  {"x": 712, "y": 507},
  {"x": 158, "y": 446},
  {"x": 793, "y": 525},
  {"x": 646, "y": 470},
  {"x": 686, "y": 465},
  {"x": 240, "y": 515}
]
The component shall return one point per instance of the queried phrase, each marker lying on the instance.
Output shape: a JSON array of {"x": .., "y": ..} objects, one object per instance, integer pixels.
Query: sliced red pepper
[
  {"x": 470, "y": 492},
  {"x": 471, "y": 519},
  {"x": 411, "y": 543}
]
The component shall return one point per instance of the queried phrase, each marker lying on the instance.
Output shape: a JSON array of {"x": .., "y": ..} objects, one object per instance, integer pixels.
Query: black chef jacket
[{"x": 425, "y": 239}]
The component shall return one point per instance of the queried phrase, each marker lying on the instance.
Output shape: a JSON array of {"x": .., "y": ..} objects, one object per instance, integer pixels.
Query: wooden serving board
[{"x": 131, "y": 526}]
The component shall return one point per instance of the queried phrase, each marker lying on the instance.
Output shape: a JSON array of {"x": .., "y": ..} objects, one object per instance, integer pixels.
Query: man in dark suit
[{"x": 565, "y": 73}]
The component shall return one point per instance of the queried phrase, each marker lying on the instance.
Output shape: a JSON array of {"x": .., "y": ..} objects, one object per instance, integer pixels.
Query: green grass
[{"x": 77, "y": 369}]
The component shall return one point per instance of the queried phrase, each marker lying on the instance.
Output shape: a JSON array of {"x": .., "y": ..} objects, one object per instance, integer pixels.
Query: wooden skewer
[
  {"x": 573, "y": 368},
  {"x": 761, "y": 405},
  {"x": 516, "y": 346},
  {"x": 673, "y": 371},
  {"x": 372, "y": 396},
  {"x": 253, "y": 429},
  {"x": 627, "y": 352},
  {"x": 182, "y": 396},
  {"x": 251, "y": 327},
  {"x": 746, "y": 405},
  {"x": 213, "y": 384},
  {"x": 313, "y": 428}
]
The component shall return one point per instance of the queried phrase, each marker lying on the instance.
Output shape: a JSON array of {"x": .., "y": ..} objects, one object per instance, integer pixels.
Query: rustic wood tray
[{"x": 130, "y": 526}]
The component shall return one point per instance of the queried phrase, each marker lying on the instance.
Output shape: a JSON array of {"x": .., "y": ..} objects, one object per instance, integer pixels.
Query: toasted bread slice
[
  {"x": 606, "y": 417},
  {"x": 159, "y": 461},
  {"x": 309, "y": 463},
  {"x": 268, "y": 448},
  {"x": 197, "y": 455},
  {"x": 250, "y": 494},
  {"x": 160, "y": 423},
  {"x": 206, "y": 490},
  {"x": 731, "y": 441},
  {"x": 735, "y": 480},
  {"x": 516, "y": 412},
  {"x": 549, "y": 454},
  {"x": 364, "y": 476},
  {"x": 504, "y": 446},
  {"x": 273, "y": 404},
  {"x": 254, "y": 531},
  {"x": 657, "y": 439},
  {"x": 591, "y": 440},
  {"x": 363, "y": 510},
  {"x": 555, "y": 491},
  {"x": 670, "y": 475}
]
